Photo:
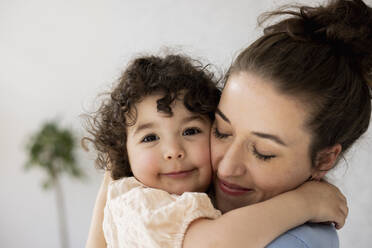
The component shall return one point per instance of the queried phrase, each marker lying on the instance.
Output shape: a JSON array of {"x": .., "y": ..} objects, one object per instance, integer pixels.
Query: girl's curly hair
[{"x": 173, "y": 77}]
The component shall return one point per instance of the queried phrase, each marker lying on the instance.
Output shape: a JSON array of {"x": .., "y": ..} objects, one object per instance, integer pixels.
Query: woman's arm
[
  {"x": 258, "y": 224},
  {"x": 95, "y": 236}
]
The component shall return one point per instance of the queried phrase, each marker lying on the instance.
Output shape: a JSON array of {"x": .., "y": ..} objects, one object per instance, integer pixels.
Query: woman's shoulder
[{"x": 310, "y": 235}]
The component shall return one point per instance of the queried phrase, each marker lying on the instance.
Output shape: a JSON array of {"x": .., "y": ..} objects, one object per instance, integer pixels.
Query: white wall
[{"x": 57, "y": 55}]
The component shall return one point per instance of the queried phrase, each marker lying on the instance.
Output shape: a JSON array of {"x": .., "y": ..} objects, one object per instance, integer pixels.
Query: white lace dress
[{"x": 138, "y": 216}]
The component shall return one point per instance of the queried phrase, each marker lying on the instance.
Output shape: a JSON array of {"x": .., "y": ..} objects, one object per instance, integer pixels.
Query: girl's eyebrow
[
  {"x": 192, "y": 118},
  {"x": 148, "y": 125},
  {"x": 143, "y": 126}
]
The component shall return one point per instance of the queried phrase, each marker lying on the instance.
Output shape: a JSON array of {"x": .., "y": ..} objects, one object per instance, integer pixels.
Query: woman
[
  {"x": 304, "y": 88},
  {"x": 294, "y": 102}
]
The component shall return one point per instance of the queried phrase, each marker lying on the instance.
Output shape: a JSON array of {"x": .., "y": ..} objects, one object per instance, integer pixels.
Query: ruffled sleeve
[{"x": 137, "y": 216}]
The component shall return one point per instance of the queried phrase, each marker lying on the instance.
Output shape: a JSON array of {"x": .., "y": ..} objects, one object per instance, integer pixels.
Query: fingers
[
  {"x": 330, "y": 200},
  {"x": 343, "y": 209},
  {"x": 340, "y": 210},
  {"x": 342, "y": 213},
  {"x": 343, "y": 198}
]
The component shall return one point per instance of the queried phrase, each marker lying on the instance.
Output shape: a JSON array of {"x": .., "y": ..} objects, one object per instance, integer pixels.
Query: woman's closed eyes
[
  {"x": 256, "y": 153},
  {"x": 262, "y": 156},
  {"x": 218, "y": 134}
]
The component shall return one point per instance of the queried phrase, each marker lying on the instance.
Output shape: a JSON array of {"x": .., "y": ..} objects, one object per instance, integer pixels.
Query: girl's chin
[{"x": 180, "y": 189}]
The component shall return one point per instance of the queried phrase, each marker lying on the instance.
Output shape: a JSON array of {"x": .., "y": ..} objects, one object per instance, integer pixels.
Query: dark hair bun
[{"x": 345, "y": 25}]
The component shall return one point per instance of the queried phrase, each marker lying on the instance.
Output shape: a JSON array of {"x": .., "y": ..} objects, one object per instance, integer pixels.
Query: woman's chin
[
  {"x": 225, "y": 202},
  {"x": 226, "y": 206},
  {"x": 228, "y": 198}
]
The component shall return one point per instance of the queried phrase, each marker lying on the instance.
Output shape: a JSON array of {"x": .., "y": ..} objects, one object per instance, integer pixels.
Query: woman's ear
[{"x": 325, "y": 160}]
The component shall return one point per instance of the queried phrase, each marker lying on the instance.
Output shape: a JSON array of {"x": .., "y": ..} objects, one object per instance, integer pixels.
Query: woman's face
[{"x": 259, "y": 143}]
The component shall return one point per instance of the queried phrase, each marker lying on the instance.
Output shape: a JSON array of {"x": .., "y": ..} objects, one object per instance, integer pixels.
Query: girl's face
[
  {"x": 259, "y": 145},
  {"x": 170, "y": 153}
]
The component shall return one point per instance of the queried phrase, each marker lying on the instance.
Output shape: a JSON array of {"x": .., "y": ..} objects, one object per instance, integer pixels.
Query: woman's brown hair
[
  {"x": 323, "y": 56},
  {"x": 174, "y": 77}
]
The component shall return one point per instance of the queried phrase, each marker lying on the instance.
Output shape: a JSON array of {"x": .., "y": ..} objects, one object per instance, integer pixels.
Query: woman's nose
[
  {"x": 232, "y": 163},
  {"x": 174, "y": 150}
]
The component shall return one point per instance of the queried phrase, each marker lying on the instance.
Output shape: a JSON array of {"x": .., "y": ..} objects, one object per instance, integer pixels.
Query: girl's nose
[
  {"x": 178, "y": 155},
  {"x": 174, "y": 151}
]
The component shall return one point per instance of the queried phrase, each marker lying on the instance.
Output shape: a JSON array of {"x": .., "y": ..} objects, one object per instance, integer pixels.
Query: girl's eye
[
  {"x": 219, "y": 135},
  {"x": 263, "y": 157},
  {"x": 191, "y": 131},
  {"x": 149, "y": 138}
]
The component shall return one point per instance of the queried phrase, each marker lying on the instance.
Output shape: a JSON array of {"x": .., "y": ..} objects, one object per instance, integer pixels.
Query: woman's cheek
[{"x": 273, "y": 182}]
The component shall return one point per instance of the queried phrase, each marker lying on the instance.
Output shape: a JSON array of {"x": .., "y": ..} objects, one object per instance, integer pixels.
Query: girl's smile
[{"x": 179, "y": 174}]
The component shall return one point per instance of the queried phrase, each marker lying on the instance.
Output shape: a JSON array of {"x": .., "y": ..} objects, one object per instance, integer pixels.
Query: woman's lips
[
  {"x": 178, "y": 174},
  {"x": 232, "y": 189}
]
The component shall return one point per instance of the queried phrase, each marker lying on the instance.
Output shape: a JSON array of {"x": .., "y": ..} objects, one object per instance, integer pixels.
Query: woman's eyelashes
[
  {"x": 218, "y": 134},
  {"x": 186, "y": 132},
  {"x": 261, "y": 156},
  {"x": 256, "y": 153}
]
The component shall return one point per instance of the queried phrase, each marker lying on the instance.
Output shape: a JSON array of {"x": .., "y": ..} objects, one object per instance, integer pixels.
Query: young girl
[{"x": 153, "y": 136}]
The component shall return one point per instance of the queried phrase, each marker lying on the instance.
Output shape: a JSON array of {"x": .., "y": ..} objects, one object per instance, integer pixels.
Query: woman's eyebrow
[
  {"x": 222, "y": 115},
  {"x": 272, "y": 137}
]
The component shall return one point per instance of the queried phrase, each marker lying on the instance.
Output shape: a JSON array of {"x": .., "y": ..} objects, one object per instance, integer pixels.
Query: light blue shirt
[{"x": 308, "y": 236}]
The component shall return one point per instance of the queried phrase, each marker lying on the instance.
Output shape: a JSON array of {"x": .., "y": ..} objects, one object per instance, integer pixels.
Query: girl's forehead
[{"x": 148, "y": 109}]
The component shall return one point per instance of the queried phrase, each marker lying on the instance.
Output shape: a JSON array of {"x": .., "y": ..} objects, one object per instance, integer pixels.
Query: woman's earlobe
[{"x": 325, "y": 161}]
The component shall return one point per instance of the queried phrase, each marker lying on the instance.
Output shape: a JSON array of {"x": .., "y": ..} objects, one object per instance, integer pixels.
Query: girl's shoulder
[
  {"x": 122, "y": 186},
  {"x": 309, "y": 235},
  {"x": 134, "y": 194},
  {"x": 151, "y": 217}
]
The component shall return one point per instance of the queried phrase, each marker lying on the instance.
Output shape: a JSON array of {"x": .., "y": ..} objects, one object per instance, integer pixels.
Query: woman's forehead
[{"x": 252, "y": 104}]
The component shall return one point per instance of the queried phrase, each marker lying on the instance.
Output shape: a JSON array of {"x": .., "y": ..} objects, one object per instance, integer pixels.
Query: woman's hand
[{"x": 325, "y": 201}]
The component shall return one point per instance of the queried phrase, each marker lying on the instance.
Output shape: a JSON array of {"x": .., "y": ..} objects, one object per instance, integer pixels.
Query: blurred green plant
[{"x": 52, "y": 149}]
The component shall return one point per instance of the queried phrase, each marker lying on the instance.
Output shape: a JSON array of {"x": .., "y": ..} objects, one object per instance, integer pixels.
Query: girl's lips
[
  {"x": 232, "y": 189},
  {"x": 179, "y": 174}
]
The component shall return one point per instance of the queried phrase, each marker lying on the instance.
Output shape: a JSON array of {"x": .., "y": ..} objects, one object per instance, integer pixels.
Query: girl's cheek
[
  {"x": 202, "y": 152},
  {"x": 146, "y": 160}
]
